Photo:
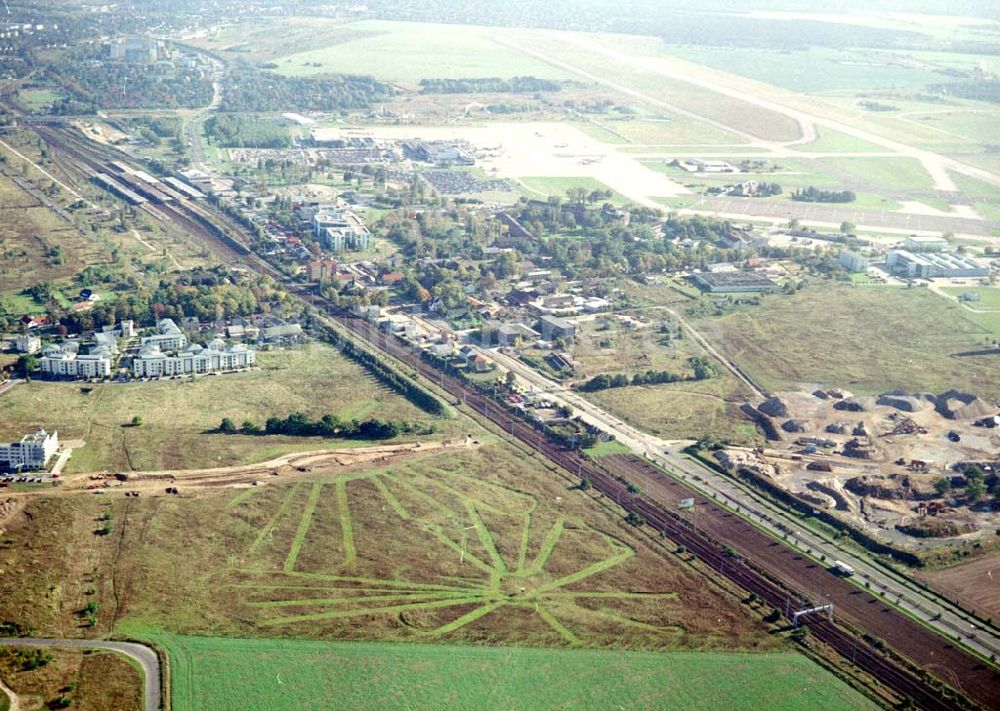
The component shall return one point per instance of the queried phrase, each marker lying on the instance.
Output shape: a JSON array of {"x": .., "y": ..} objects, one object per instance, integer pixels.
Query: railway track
[{"x": 206, "y": 223}]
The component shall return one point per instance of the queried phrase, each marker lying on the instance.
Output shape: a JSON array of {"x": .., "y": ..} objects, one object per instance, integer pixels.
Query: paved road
[
  {"x": 142, "y": 654},
  {"x": 928, "y": 607}
]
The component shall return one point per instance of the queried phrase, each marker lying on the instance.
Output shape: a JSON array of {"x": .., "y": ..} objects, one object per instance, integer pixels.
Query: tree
[
  {"x": 943, "y": 485},
  {"x": 974, "y": 489},
  {"x": 137, "y": 421},
  {"x": 227, "y": 426},
  {"x": 25, "y": 365},
  {"x": 846, "y": 227},
  {"x": 511, "y": 380}
]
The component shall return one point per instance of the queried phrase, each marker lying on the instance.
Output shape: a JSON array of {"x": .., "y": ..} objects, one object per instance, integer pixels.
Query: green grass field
[
  {"x": 989, "y": 297},
  {"x": 604, "y": 449},
  {"x": 543, "y": 187},
  {"x": 896, "y": 173},
  {"x": 37, "y": 99},
  {"x": 865, "y": 340},
  {"x": 408, "y": 52},
  {"x": 251, "y": 674},
  {"x": 672, "y": 130},
  {"x": 829, "y": 69},
  {"x": 179, "y": 414},
  {"x": 831, "y": 141}
]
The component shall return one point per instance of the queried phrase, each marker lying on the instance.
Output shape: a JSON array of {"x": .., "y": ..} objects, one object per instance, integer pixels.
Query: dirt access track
[
  {"x": 286, "y": 468},
  {"x": 852, "y": 604}
]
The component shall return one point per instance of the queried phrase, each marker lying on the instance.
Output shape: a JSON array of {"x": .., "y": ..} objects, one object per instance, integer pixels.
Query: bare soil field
[{"x": 974, "y": 585}]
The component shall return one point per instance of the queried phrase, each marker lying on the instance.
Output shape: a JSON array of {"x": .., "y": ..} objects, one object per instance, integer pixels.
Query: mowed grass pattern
[{"x": 279, "y": 675}]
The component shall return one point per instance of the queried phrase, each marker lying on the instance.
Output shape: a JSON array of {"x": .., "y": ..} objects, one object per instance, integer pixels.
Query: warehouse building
[
  {"x": 933, "y": 265},
  {"x": 733, "y": 282}
]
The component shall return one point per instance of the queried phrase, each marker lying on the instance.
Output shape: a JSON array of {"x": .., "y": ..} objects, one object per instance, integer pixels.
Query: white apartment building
[
  {"x": 65, "y": 362},
  {"x": 339, "y": 229},
  {"x": 32, "y": 452},
  {"x": 151, "y": 362},
  {"x": 28, "y": 344},
  {"x": 168, "y": 336},
  {"x": 124, "y": 329}
]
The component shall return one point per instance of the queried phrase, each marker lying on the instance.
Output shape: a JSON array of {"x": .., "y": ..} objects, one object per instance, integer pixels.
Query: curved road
[{"x": 140, "y": 653}]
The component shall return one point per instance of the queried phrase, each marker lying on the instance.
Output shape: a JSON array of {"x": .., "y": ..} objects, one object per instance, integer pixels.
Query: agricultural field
[
  {"x": 408, "y": 52},
  {"x": 92, "y": 680},
  {"x": 179, "y": 415},
  {"x": 480, "y": 546},
  {"x": 970, "y": 584},
  {"x": 864, "y": 340},
  {"x": 304, "y": 675}
]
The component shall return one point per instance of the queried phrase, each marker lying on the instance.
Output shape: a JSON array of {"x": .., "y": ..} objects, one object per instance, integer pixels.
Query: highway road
[
  {"x": 925, "y": 606},
  {"x": 143, "y": 655}
]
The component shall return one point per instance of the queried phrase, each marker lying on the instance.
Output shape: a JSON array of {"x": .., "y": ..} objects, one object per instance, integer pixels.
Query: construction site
[{"x": 910, "y": 470}]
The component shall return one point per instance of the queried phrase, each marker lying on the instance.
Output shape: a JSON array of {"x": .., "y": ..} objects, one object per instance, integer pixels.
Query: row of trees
[
  {"x": 813, "y": 194},
  {"x": 330, "y": 426},
  {"x": 622, "y": 380},
  {"x": 702, "y": 370},
  {"x": 390, "y": 376},
  {"x": 488, "y": 85}
]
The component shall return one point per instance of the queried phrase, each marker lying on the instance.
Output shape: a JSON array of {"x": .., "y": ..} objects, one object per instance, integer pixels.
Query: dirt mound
[
  {"x": 774, "y": 407},
  {"x": 797, "y": 426},
  {"x": 902, "y": 401},
  {"x": 956, "y": 405},
  {"x": 903, "y": 489},
  {"x": 855, "y": 404},
  {"x": 934, "y": 528}
]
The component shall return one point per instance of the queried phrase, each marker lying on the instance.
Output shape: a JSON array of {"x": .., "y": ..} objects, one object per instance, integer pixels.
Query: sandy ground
[
  {"x": 290, "y": 466},
  {"x": 15, "y": 702},
  {"x": 786, "y": 462}
]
